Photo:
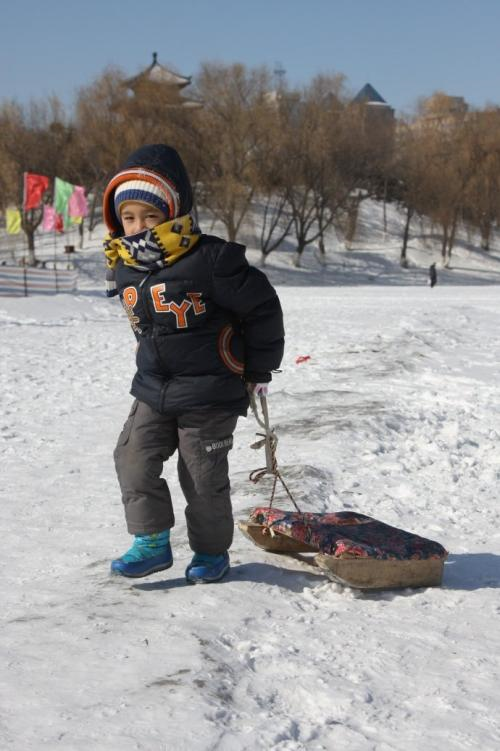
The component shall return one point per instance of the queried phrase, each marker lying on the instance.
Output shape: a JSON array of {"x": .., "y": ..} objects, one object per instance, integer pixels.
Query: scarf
[{"x": 151, "y": 249}]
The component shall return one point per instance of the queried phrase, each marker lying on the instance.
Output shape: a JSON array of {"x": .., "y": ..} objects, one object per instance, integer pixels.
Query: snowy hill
[
  {"x": 396, "y": 415},
  {"x": 374, "y": 257}
]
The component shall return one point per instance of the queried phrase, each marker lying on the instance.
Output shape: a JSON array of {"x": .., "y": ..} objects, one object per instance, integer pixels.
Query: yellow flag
[{"x": 13, "y": 221}]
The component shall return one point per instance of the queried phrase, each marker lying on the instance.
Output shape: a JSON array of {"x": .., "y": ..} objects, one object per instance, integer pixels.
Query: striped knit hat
[
  {"x": 139, "y": 184},
  {"x": 140, "y": 190},
  {"x": 162, "y": 169}
]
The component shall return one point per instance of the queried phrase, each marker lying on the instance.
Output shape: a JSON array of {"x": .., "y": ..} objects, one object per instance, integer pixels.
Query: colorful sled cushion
[{"x": 347, "y": 534}]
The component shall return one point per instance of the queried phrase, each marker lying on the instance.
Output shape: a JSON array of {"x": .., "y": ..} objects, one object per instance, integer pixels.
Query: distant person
[
  {"x": 209, "y": 330},
  {"x": 432, "y": 275}
]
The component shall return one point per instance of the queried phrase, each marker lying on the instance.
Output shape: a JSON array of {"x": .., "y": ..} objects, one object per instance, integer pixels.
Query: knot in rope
[{"x": 269, "y": 440}]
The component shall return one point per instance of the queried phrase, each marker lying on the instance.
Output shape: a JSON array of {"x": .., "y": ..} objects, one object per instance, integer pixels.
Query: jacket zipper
[
  {"x": 154, "y": 327},
  {"x": 145, "y": 301}
]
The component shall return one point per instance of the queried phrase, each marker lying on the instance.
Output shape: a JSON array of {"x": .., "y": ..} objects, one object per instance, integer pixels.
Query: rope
[{"x": 269, "y": 440}]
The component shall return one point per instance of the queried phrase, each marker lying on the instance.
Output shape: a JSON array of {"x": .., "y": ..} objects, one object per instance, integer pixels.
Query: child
[{"x": 208, "y": 327}]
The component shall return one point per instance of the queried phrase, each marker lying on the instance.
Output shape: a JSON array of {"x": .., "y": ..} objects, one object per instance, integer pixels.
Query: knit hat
[
  {"x": 153, "y": 193},
  {"x": 154, "y": 174},
  {"x": 139, "y": 184}
]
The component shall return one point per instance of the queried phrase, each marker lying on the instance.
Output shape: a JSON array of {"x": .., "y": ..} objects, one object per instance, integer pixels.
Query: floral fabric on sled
[{"x": 348, "y": 535}]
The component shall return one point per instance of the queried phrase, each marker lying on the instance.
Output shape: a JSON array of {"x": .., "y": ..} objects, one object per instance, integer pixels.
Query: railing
[{"x": 21, "y": 281}]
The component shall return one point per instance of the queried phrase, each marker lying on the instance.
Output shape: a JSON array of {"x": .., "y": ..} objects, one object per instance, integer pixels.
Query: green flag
[{"x": 62, "y": 194}]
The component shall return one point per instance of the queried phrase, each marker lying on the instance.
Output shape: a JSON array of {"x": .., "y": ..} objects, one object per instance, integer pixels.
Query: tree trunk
[
  {"x": 406, "y": 234},
  {"x": 92, "y": 215},
  {"x": 485, "y": 229},
  {"x": 444, "y": 244},
  {"x": 451, "y": 240},
  {"x": 30, "y": 236},
  {"x": 322, "y": 250},
  {"x": 298, "y": 253},
  {"x": 352, "y": 221},
  {"x": 272, "y": 216},
  {"x": 385, "y": 206},
  {"x": 231, "y": 229},
  {"x": 30, "y": 221}
]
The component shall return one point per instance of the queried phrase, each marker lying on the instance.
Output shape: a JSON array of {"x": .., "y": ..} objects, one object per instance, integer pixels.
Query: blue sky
[{"x": 405, "y": 48}]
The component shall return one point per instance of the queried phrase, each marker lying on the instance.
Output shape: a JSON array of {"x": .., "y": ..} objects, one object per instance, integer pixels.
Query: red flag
[
  {"x": 59, "y": 223},
  {"x": 34, "y": 188}
]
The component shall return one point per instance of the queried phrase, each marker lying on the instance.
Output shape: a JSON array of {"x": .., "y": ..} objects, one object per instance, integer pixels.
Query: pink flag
[
  {"x": 78, "y": 203},
  {"x": 49, "y": 218}
]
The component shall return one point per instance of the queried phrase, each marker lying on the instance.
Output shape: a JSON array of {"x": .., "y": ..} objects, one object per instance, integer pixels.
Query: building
[
  {"x": 377, "y": 111},
  {"x": 157, "y": 77},
  {"x": 441, "y": 111}
]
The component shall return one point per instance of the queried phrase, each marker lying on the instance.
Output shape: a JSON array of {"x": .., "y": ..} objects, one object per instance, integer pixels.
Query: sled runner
[{"x": 349, "y": 547}]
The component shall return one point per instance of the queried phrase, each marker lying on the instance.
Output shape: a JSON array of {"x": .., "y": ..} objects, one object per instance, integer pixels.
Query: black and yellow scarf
[{"x": 151, "y": 249}]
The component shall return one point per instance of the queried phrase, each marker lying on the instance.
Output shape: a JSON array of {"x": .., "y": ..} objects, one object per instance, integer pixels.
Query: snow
[{"x": 395, "y": 415}]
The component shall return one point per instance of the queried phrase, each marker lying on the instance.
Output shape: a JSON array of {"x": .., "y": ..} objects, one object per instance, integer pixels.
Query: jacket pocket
[{"x": 127, "y": 428}]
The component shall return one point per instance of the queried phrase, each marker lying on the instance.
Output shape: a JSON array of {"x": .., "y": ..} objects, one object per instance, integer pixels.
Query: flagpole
[
  {"x": 24, "y": 240},
  {"x": 25, "y": 247}
]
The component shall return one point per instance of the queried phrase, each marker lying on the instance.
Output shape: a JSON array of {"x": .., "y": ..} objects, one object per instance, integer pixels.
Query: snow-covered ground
[{"x": 396, "y": 415}]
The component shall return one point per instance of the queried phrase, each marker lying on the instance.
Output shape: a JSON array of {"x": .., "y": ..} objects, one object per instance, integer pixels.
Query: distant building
[
  {"x": 441, "y": 111},
  {"x": 369, "y": 95},
  {"x": 378, "y": 119},
  {"x": 377, "y": 111},
  {"x": 157, "y": 76}
]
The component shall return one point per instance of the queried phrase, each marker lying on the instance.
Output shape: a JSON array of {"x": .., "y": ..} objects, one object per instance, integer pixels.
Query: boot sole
[
  {"x": 154, "y": 570},
  {"x": 205, "y": 580}
]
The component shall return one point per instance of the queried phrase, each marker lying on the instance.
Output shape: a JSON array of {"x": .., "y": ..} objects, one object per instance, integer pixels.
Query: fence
[{"x": 21, "y": 281}]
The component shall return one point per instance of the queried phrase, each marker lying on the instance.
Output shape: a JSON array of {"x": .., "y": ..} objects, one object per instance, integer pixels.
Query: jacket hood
[{"x": 150, "y": 163}]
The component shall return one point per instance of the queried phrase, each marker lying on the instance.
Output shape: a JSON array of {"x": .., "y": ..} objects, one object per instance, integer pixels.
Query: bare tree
[
  {"x": 443, "y": 126},
  {"x": 327, "y": 161},
  {"x": 304, "y": 168},
  {"x": 271, "y": 197},
  {"x": 226, "y": 139},
  {"x": 276, "y": 222},
  {"x": 482, "y": 195},
  {"x": 451, "y": 167},
  {"x": 407, "y": 180},
  {"x": 105, "y": 135}
]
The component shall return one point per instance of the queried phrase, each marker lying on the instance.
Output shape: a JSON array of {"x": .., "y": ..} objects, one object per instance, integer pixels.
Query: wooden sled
[
  {"x": 351, "y": 549},
  {"x": 370, "y": 573},
  {"x": 273, "y": 543}
]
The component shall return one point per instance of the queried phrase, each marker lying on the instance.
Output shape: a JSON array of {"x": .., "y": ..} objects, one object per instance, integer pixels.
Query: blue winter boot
[
  {"x": 148, "y": 554},
  {"x": 206, "y": 568}
]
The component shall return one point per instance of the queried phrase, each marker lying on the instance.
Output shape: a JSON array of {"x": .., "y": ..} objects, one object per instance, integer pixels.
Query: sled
[{"x": 350, "y": 548}]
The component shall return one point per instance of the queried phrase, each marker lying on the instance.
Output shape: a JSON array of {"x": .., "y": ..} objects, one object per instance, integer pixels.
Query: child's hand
[{"x": 258, "y": 389}]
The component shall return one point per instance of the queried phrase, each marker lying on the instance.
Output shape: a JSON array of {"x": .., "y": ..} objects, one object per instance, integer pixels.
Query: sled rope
[{"x": 269, "y": 440}]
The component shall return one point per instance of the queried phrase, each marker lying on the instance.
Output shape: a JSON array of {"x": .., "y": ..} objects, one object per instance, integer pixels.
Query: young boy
[{"x": 208, "y": 327}]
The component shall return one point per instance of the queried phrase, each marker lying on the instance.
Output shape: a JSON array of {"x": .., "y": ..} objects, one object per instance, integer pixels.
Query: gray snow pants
[{"x": 203, "y": 440}]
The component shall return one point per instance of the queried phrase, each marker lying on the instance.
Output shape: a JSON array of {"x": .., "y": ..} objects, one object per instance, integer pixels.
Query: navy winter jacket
[{"x": 204, "y": 325}]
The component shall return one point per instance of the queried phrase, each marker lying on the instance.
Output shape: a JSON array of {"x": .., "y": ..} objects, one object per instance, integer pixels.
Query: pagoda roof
[
  {"x": 157, "y": 73},
  {"x": 368, "y": 95}
]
